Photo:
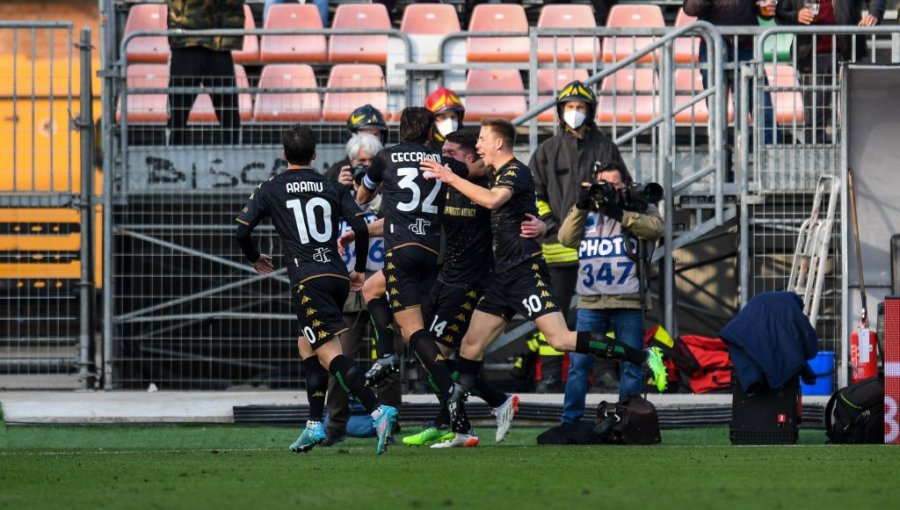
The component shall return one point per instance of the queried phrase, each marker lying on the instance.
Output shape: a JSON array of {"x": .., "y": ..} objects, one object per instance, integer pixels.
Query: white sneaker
[
  {"x": 459, "y": 441},
  {"x": 504, "y": 415}
]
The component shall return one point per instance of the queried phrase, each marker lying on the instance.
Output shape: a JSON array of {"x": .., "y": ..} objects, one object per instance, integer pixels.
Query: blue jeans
[
  {"x": 770, "y": 131},
  {"x": 321, "y": 4},
  {"x": 628, "y": 326}
]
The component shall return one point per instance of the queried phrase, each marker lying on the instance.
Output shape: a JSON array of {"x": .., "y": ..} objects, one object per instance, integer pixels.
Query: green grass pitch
[{"x": 249, "y": 467}]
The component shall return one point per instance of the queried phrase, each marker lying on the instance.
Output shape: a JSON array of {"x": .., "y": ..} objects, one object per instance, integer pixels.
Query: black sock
[
  {"x": 468, "y": 372},
  {"x": 493, "y": 397},
  {"x": 424, "y": 345},
  {"x": 383, "y": 320},
  {"x": 316, "y": 386},
  {"x": 349, "y": 377},
  {"x": 605, "y": 347}
]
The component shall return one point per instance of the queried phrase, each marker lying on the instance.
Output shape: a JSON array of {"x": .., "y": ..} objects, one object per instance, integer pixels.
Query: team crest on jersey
[
  {"x": 321, "y": 255},
  {"x": 419, "y": 227}
]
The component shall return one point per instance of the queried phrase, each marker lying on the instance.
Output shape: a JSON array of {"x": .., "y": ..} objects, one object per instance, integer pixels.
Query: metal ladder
[{"x": 813, "y": 243}]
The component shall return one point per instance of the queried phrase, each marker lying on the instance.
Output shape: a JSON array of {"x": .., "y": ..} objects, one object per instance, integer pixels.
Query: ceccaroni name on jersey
[
  {"x": 303, "y": 187},
  {"x": 413, "y": 157}
]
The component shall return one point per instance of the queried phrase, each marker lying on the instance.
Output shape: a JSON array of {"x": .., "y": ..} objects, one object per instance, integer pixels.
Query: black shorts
[
  {"x": 450, "y": 310},
  {"x": 523, "y": 289},
  {"x": 408, "y": 271},
  {"x": 319, "y": 304}
]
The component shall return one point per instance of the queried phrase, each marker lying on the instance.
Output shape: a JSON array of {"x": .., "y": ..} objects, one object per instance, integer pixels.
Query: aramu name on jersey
[{"x": 303, "y": 187}]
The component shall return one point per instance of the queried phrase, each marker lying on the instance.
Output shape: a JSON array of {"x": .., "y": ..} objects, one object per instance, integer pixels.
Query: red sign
[{"x": 891, "y": 370}]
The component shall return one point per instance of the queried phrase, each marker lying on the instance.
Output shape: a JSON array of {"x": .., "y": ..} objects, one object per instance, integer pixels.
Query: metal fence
[{"x": 47, "y": 278}]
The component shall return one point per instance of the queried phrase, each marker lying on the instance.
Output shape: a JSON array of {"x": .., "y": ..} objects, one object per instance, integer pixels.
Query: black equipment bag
[
  {"x": 769, "y": 416},
  {"x": 855, "y": 414},
  {"x": 632, "y": 421}
]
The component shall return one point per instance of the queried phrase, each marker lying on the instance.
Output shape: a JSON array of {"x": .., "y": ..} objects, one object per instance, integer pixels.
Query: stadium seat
[
  {"x": 689, "y": 83},
  {"x": 293, "y": 48},
  {"x": 338, "y": 105},
  {"x": 289, "y": 105},
  {"x": 426, "y": 25},
  {"x": 788, "y": 104},
  {"x": 203, "y": 111},
  {"x": 631, "y": 16},
  {"x": 507, "y": 107},
  {"x": 356, "y": 48},
  {"x": 628, "y": 97},
  {"x": 151, "y": 49},
  {"x": 585, "y": 49},
  {"x": 249, "y": 54},
  {"x": 550, "y": 82},
  {"x": 146, "y": 108},
  {"x": 498, "y": 18},
  {"x": 686, "y": 49}
]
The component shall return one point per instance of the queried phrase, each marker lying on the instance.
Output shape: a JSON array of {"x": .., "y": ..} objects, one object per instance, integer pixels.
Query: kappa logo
[
  {"x": 447, "y": 338},
  {"x": 316, "y": 323},
  {"x": 454, "y": 328},
  {"x": 390, "y": 265},
  {"x": 535, "y": 267},
  {"x": 304, "y": 300},
  {"x": 549, "y": 305},
  {"x": 310, "y": 311},
  {"x": 319, "y": 394},
  {"x": 467, "y": 306},
  {"x": 321, "y": 255},
  {"x": 461, "y": 317},
  {"x": 471, "y": 294},
  {"x": 544, "y": 293},
  {"x": 419, "y": 227},
  {"x": 439, "y": 357},
  {"x": 395, "y": 304},
  {"x": 540, "y": 283},
  {"x": 392, "y": 279},
  {"x": 322, "y": 334}
]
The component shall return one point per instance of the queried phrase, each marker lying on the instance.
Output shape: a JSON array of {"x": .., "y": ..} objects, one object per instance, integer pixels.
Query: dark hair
[
  {"x": 614, "y": 166},
  {"x": 415, "y": 124},
  {"x": 299, "y": 144},
  {"x": 502, "y": 128},
  {"x": 465, "y": 139}
]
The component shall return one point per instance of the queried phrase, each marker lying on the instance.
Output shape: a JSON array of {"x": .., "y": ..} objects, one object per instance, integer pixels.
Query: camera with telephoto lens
[{"x": 635, "y": 197}]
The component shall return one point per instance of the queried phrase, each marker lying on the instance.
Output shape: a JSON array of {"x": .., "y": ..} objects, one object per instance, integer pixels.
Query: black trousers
[{"x": 195, "y": 66}]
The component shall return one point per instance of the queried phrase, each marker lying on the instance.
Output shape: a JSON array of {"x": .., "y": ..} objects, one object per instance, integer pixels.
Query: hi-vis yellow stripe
[
  {"x": 555, "y": 253},
  {"x": 543, "y": 207}
]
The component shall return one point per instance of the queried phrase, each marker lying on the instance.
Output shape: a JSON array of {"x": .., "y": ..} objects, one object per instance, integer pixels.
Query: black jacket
[{"x": 846, "y": 12}]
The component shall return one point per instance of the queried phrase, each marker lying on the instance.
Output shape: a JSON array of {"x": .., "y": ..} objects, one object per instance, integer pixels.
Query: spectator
[
  {"x": 322, "y": 5},
  {"x": 365, "y": 119},
  {"x": 611, "y": 293},
  {"x": 732, "y": 13},
  {"x": 820, "y": 54},
  {"x": 204, "y": 60},
  {"x": 560, "y": 165}
]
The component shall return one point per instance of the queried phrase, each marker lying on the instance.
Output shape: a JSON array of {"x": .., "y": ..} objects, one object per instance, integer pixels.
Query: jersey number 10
[{"x": 308, "y": 225}]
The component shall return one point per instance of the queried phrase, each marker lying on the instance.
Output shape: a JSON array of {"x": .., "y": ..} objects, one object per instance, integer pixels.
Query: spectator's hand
[
  {"x": 532, "y": 227},
  {"x": 346, "y": 176},
  {"x": 263, "y": 264},
  {"x": 584, "y": 197},
  {"x": 806, "y": 17},
  {"x": 435, "y": 170},
  {"x": 613, "y": 210},
  {"x": 868, "y": 21},
  {"x": 356, "y": 281},
  {"x": 344, "y": 240}
]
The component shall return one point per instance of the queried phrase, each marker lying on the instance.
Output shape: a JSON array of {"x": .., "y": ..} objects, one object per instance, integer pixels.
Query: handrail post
[{"x": 85, "y": 124}]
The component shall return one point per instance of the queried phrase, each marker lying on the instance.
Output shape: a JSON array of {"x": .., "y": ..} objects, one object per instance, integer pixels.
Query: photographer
[{"x": 608, "y": 223}]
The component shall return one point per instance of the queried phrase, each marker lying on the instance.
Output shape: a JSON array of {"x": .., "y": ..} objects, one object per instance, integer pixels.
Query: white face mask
[
  {"x": 447, "y": 126},
  {"x": 573, "y": 118}
]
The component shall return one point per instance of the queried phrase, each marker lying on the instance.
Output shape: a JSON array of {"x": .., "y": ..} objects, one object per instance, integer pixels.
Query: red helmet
[{"x": 444, "y": 99}]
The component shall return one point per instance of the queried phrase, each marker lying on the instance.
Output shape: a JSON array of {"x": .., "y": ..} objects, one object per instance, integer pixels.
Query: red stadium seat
[
  {"x": 293, "y": 48},
  {"x": 146, "y": 108},
  {"x": 203, "y": 111},
  {"x": 151, "y": 49},
  {"x": 787, "y": 104},
  {"x": 686, "y": 49},
  {"x": 249, "y": 54},
  {"x": 628, "y": 97},
  {"x": 635, "y": 16},
  {"x": 338, "y": 105},
  {"x": 498, "y": 18},
  {"x": 289, "y": 105},
  {"x": 507, "y": 107},
  {"x": 429, "y": 19},
  {"x": 550, "y": 82},
  {"x": 360, "y": 48},
  {"x": 689, "y": 83},
  {"x": 585, "y": 49}
]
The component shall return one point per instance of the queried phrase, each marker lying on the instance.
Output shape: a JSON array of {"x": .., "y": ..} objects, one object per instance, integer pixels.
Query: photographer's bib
[
  {"x": 376, "y": 249},
  {"x": 603, "y": 263}
]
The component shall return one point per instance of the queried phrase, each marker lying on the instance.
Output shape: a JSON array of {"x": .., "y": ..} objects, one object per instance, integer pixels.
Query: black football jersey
[
  {"x": 467, "y": 238},
  {"x": 411, "y": 204},
  {"x": 305, "y": 208},
  {"x": 509, "y": 248}
]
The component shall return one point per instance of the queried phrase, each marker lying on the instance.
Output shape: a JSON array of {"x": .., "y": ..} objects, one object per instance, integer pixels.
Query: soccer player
[
  {"x": 305, "y": 208},
  {"x": 463, "y": 278},
  {"x": 412, "y": 231},
  {"x": 520, "y": 274}
]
